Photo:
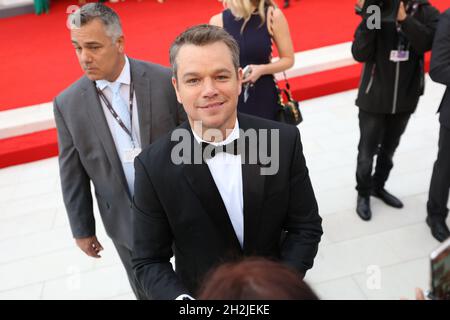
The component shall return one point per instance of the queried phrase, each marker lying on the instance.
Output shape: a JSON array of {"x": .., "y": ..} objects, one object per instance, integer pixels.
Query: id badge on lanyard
[
  {"x": 402, "y": 54},
  {"x": 399, "y": 55},
  {"x": 130, "y": 154}
]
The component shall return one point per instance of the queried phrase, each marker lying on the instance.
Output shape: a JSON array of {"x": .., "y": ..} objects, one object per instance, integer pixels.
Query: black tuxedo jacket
[{"x": 178, "y": 209}]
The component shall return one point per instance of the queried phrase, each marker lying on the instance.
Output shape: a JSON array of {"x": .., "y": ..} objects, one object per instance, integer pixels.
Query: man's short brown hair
[{"x": 202, "y": 35}]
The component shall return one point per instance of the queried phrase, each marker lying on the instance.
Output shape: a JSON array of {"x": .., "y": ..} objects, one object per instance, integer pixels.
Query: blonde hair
[{"x": 243, "y": 9}]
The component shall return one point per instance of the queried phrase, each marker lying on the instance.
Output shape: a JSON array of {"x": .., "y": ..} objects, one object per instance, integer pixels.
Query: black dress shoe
[
  {"x": 387, "y": 198},
  {"x": 439, "y": 229},
  {"x": 363, "y": 208}
]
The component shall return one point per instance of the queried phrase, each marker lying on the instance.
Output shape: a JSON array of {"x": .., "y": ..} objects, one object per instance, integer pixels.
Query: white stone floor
[{"x": 381, "y": 259}]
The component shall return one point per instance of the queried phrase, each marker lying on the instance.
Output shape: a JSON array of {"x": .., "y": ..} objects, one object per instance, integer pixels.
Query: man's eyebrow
[
  {"x": 222, "y": 70},
  {"x": 90, "y": 43},
  {"x": 196, "y": 74},
  {"x": 190, "y": 74}
]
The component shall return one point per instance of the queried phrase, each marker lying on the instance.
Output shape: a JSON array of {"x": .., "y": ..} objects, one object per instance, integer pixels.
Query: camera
[{"x": 388, "y": 9}]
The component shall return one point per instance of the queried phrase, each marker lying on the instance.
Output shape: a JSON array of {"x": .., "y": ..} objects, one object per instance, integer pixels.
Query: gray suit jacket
[{"x": 87, "y": 151}]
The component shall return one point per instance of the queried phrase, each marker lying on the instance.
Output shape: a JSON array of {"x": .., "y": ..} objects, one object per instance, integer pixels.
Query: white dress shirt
[
  {"x": 226, "y": 171},
  {"x": 125, "y": 80}
]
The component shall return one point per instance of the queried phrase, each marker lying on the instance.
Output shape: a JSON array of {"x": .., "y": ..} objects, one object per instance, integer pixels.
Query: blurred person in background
[
  {"x": 41, "y": 6},
  {"x": 391, "y": 83},
  {"x": 254, "y": 24},
  {"x": 440, "y": 180}
]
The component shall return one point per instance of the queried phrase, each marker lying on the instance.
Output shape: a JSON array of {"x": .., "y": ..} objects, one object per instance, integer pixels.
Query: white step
[
  {"x": 321, "y": 59},
  {"x": 17, "y": 122},
  {"x": 13, "y": 3}
]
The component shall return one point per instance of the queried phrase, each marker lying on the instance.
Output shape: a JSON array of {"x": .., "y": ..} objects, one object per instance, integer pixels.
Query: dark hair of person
[{"x": 255, "y": 279}]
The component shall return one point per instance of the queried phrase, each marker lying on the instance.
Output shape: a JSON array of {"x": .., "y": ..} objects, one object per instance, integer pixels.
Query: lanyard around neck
[{"x": 114, "y": 113}]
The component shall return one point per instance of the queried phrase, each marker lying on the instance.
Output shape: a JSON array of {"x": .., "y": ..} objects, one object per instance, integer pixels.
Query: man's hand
[
  {"x": 401, "y": 15},
  {"x": 90, "y": 246}
]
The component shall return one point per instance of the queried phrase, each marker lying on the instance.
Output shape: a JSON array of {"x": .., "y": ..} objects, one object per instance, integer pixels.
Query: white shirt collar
[
  {"x": 232, "y": 136},
  {"x": 124, "y": 77}
]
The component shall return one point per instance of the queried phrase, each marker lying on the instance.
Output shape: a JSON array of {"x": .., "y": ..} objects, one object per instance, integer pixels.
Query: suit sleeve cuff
[{"x": 184, "y": 297}]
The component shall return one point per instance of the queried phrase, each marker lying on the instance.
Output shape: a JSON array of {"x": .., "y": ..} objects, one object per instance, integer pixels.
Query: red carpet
[
  {"x": 38, "y": 60},
  {"x": 28, "y": 148}
]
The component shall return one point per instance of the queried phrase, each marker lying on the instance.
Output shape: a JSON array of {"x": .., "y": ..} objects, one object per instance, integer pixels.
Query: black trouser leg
[
  {"x": 440, "y": 179},
  {"x": 394, "y": 128},
  {"x": 125, "y": 257},
  {"x": 371, "y": 129}
]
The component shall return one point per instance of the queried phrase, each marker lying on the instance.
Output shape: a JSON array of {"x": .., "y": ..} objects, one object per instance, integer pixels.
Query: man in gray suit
[{"x": 104, "y": 119}]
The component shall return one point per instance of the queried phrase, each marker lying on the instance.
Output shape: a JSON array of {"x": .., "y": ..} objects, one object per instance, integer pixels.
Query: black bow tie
[{"x": 209, "y": 150}]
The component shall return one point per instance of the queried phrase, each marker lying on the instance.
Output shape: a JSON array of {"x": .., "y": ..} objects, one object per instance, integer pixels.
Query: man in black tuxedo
[
  {"x": 440, "y": 180},
  {"x": 208, "y": 206}
]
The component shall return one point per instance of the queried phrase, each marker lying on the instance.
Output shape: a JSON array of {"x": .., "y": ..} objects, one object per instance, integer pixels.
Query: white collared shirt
[
  {"x": 226, "y": 171},
  {"x": 125, "y": 80}
]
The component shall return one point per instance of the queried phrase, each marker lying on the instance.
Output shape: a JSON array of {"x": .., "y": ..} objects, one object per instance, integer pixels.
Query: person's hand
[
  {"x": 419, "y": 294},
  {"x": 360, "y": 3},
  {"x": 257, "y": 72},
  {"x": 401, "y": 15},
  {"x": 90, "y": 246}
]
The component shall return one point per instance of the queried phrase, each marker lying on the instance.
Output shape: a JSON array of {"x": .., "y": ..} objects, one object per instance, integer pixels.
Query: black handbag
[{"x": 289, "y": 110}]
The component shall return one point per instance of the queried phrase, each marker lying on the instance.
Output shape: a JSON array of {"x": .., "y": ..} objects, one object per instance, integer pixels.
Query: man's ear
[
  {"x": 240, "y": 75},
  {"x": 120, "y": 42},
  {"x": 175, "y": 86}
]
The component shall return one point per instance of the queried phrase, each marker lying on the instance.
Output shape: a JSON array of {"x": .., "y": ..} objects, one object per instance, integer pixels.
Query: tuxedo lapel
[
  {"x": 203, "y": 185},
  {"x": 142, "y": 90},
  {"x": 253, "y": 189},
  {"x": 253, "y": 184},
  {"x": 101, "y": 128}
]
